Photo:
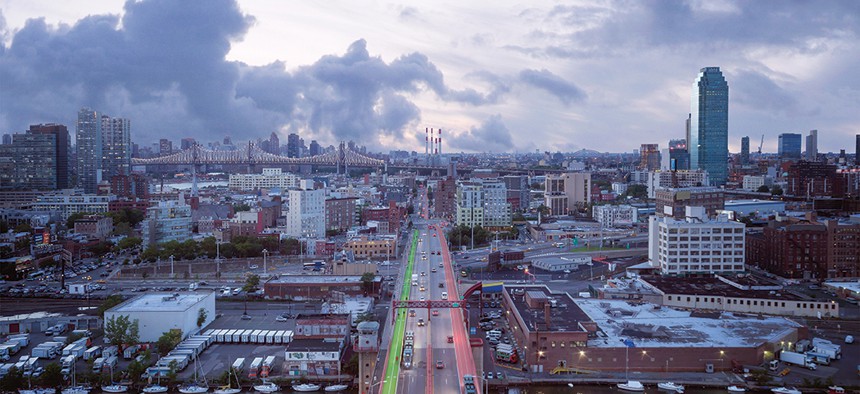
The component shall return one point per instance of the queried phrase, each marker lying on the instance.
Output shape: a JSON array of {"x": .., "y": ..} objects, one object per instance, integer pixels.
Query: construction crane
[{"x": 760, "y": 144}]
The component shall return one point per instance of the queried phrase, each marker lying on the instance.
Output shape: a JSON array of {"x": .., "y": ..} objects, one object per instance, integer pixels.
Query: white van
[
  {"x": 849, "y": 339},
  {"x": 444, "y": 295}
]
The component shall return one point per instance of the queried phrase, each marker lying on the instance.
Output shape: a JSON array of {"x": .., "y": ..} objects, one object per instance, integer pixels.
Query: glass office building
[{"x": 709, "y": 125}]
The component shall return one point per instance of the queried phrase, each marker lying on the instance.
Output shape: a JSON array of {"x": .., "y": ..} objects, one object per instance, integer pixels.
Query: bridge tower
[
  {"x": 195, "y": 162},
  {"x": 367, "y": 347},
  {"x": 250, "y": 157},
  {"x": 341, "y": 158}
]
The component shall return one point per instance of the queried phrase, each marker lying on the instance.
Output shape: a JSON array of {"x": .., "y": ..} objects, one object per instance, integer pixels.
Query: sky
[{"x": 496, "y": 76}]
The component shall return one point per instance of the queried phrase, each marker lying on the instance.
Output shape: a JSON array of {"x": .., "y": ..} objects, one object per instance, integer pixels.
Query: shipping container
[
  {"x": 246, "y": 336},
  {"x": 255, "y": 336},
  {"x": 92, "y": 353},
  {"x": 239, "y": 364},
  {"x": 270, "y": 337}
]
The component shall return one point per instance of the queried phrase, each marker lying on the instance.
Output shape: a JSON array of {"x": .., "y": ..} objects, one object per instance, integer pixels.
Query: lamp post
[
  {"x": 171, "y": 266},
  {"x": 218, "y": 258},
  {"x": 265, "y": 256}
]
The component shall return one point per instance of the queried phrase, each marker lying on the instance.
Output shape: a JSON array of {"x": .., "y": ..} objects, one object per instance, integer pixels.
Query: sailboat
[
  {"x": 267, "y": 387},
  {"x": 155, "y": 388},
  {"x": 114, "y": 387},
  {"x": 335, "y": 388},
  {"x": 195, "y": 387},
  {"x": 75, "y": 388},
  {"x": 228, "y": 389}
]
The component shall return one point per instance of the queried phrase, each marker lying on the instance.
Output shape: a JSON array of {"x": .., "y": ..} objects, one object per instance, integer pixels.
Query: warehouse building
[{"x": 158, "y": 313}]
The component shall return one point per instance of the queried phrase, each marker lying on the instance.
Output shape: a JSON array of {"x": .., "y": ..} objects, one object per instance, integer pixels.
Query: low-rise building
[
  {"x": 69, "y": 201},
  {"x": 673, "y": 201},
  {"x": 615, "y": 215},
  {"x": 166, "y": 221},
  {"x": 754, "y": 182},
  {"x": 675, "y": 179},
  {"x": 320, "y": 287},
  {"x": 323, "y": 326},
  {"x": 559, "y": 264},
  {"x": 696, "y": 245},
  {"x": 96, "y": 226},
  {"x": 372, "y": 247},
  {"x": 158, "y": 313},
  {"x": 268, "y": 179},
  {"x": 312, "y": 357},
  {"x": 757, "y": 208},
  {"x": 340, "y": 213}
]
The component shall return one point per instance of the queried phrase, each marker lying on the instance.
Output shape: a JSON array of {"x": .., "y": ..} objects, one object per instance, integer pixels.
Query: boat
[
  {"x": 305, "y": 387},
  {"x": 631, "y": 385},
  {"x": 736, "y": 389},
  {"x": 835, "y": 390},
  {"x": 76, "y": 390},
  {"x": 269, "y": 387},
  {"x": 37, "y": 391},
  {"x": 115, "y": 388},
  {"x": 195, "y": 387},
  {"x": 786, "y": 390},
  {"x": 226, "y": 390},
  {"x": 336, "y": 387},
  {"x": 154, "y": 389},
  {"x": 671, "y": 387}
]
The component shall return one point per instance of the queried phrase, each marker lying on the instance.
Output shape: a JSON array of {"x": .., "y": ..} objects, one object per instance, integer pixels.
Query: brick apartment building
[
  {"x": 390, "y": 214},
  {"x": 444, "y": 198},
  {"x": 814, "y": 179},
  {"x": 340, "y": 213},
  {"x": 807, "y": 249}
]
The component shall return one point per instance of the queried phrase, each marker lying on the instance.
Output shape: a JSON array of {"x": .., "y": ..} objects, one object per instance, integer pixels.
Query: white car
[
  {"x": 281, "y": 319},
  {"x": 421, "y": 299}
]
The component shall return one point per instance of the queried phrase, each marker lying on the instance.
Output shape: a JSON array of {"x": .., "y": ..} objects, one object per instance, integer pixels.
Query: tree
[
  {"x": 13, "y": 381},
  {"x": 518, "y": 217},
  {"x": 120, "y": 330},
  {"x": 167, "y": 341},
  {"x": 23, "y": 227},
  {"x": 776, "y": 190},
  {"x": 366, "y": 316},
  {"x": 367, "y": 281},
  {"x": 763, "y": 189},
  {"x": 129, "y": 243},
  {"x": 201, "y": 317},
  {"x": 109, "y": 302},
  {"x": 135, "y": 370},
  {"x": 70, "y": 222},
  {"x": 636, "y": 191},
  {"x": 251, "y": 283},
  {"x": 52, "y": 376}
]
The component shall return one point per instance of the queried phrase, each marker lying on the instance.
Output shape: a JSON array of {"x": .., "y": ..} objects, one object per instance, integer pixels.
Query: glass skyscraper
[
  {"x": 88, "y": 138},
  {"x": 709, "y": 125},
  {"x": 789, "y": 146}
]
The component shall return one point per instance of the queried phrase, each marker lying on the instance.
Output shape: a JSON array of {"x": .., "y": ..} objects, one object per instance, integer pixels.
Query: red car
[
  {"x": 440, "y": 364},
  {"x": 435, "y": 312},
  {"x": 450, "y": 339}
]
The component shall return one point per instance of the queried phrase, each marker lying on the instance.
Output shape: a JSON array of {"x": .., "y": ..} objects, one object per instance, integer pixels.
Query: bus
[
  {"x": 315, "y": 266},
  {"x": 35, "y": 275}
]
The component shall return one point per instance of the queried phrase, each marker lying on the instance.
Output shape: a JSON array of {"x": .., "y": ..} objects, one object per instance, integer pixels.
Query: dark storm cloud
[
  {"x": 490, "y": 136},
  {"x": 757, "y": 91},
  {"x": 554, "y": 84},
  {"x": 624, "y": 28},
  {"x": 168, "y": 57}
]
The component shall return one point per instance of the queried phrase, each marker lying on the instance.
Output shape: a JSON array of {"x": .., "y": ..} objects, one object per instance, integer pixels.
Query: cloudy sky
[{"x": 496, "y": 76}]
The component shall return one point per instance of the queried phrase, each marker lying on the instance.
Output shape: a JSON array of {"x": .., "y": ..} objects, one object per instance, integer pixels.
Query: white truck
[
  {"x": 414, "y": 279},
  {"x": 68, "y": 363},
  {"x": 832, "y": 351},
  {"x": 797, "y": 359}
]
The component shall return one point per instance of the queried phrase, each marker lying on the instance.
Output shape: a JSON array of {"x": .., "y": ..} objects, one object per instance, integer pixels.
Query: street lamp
[
  {"x": 265, "y": 255},
  {"x": 171, "y": 266}
]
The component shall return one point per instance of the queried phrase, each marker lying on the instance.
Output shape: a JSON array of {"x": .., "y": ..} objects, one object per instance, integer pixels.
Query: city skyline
[{"x": 510, "y": 79}]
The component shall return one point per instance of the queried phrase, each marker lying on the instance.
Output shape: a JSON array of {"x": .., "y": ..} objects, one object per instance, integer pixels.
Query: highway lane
[{"x": 445, "y": 380}]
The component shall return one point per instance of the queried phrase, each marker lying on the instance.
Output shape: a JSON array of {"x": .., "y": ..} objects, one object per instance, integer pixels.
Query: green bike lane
[{"x": 392, "y": 368}]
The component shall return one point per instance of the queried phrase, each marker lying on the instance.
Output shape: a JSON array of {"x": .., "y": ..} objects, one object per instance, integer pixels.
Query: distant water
[{"x": 187, "y": 185}]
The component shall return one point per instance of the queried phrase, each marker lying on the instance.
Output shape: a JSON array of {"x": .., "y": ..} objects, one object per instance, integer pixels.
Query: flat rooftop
[
  {"x": 647, "y": 326},
  {"x": 313, "y": 345},
  {"x": 162, "y": 302},
  {"x": 313, "y": 279},
  {"x": 716, "y": 287},
  {"x": 853, "y": 287},
  {"x": 565, "y": 317}
]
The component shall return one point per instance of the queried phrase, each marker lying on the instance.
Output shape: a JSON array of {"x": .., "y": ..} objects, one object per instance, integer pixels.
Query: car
[
  {"x": 423, "y": 273},
  {"x": 412, "y": 313},
  {"x": 433, "y": 269},
  {"x": 441, "y": 265},
  {"x": 440, "y": 364},
  {"x": 253, "y": 266},
  {"x": 489, "y": 375},
  {"x": 441, "y": 285},
  {"x": 421, "y": 322},
  {"x": 246, "y": 317},
  {"x": 500, "y": 375},
  {"x": 450, "y": 339},
  {"x": 281, "y": 319},
  {"x": 421, "y": 299},
  {"x": 435, "y": 312},
  {"x": 421, "y": 288}
]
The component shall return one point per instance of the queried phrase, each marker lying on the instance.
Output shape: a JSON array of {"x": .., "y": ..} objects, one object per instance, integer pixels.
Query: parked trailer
[
  {"x": 255, "y": 367},
  {"x": 237, "y": 336},
  {"x": 239, "y": 364},
  {"x": 130, "y": 352},
  {"x": 13, "y": 347},
  {"x": 268, "y": 365},
  {"x": 822, "y": 359},
  {"x": 270, "y": 337},
  {"x": 92, "y": 353},
  {"x": 205, "y": 338},
  {"x": 22, "y": 339},
  {"x": 110, "y": 351},
  {"x": 31, "y": 364},
  {"x": 288, "y": 337},
  {"x": 246, "y": 336},
  {"x": 183, "y": 352},
  {"x": 97, "y": 365},
  {"x": 832, "y": 351},
  {"x": 181, "y": 361},
  {"x": 109, "y": 363},
  {"x": 259, "y": 336}
]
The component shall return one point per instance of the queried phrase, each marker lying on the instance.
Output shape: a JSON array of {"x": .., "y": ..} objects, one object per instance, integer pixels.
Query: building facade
[
  {"x": 572, "y": 189},
  {"x": 65, "y": 203},
  {"x": 649, "y": 157},
  {"x": 166, "y": 221},
  {"x": 696, "y": 245},
  {"x": 364, "y": 247},
  {"x": 754, "y": 182},
  {"x": 94, "y": 225},
  {"x": 116, "y": 146},
  {"x": 88, "y": 145},
  {"x": 470, "y": 204},
  {"x": 616, "y": 215},
  {"x": 673, "y": 201},
  {"x": 444, "y": 198},
  {"x": 789, "y": 147},
  {"x": 306, "y": 218},
  {"x": 268, "y": 179},
  {"x": 709, "y": 125},
  {"x": 340, "y": 213},
  {"x": 814, "y": 179},
  {"x": 682, "y": 178}
]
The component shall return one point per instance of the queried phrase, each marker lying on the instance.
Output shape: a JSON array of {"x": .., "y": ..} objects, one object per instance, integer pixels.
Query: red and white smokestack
[
  {"x": 440, "y": 141},
  {"x": 426, "y": 140},
  {"x": 432, "y": 141}
]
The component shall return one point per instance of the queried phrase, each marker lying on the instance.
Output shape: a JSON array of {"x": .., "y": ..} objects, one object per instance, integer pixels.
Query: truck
[
  {"x": 268, "y": 365},
  {"x": 110, "y": 351},
  {"x": 238, "y": 365},
  {"x": 255, "y": 367},
  {"x": 819, "y": 358},
  {"x": 109, "y": 363},
  {"x": 92, "y": 353},
  {"x": 414, "y": 279},
  {"x": 47, "y": 350},
  {"x": 76, "y": 349},
  {"x": 13, "y": 347},
  {"x": 130, "y": 352},
  {"x": 97, "y": 365},
  {"x": 832, "y": 351},
  {"x": 797, "y": 359},
  {"x": 22, "y": 339},
  {"x": 68, "y": 363}
]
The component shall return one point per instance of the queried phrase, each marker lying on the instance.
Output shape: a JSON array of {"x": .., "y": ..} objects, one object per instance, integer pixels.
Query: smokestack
[
  {"x": 432, "y": 141},
  {"x": 440, "y": 141},
  {"x": 546, "y": 314},
  {"x": 426, "y": 140}
]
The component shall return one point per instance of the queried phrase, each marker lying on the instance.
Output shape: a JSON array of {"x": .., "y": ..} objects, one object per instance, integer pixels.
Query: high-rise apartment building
[
  {"x": 745, "y": 150},
  {"x": 857, "y": 149},
  {"x": 187, "y": 143},
  {"x": 470, "y": 204},
  {"x": 165, "y": 147},
  {"x": 88, "y": 145},
  {"x": 37, "y": 159},
  {"x": 789, "y": 146},
  {"x": 274, "y": 144},
  {"x": 444, "y": 198},
  {"x": 649, "y": 157},
  {"x": 679, "y": 154},
  {"x": 116, "y": 146},
  {"x": 340, "y": 213},
  {"x": 812, "y": 146},
  {"x": 293, "y": 145},
  {"x": 709, "y": 125},
  {"x": 696, "y": 244},
  {"x": 519, "y": 193},
  {"x": 307, "y": 214},
  {"x": 565, "y": 192},
  {"x": 483, "y": 203},
  {"x": 315, "y": 148}
]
